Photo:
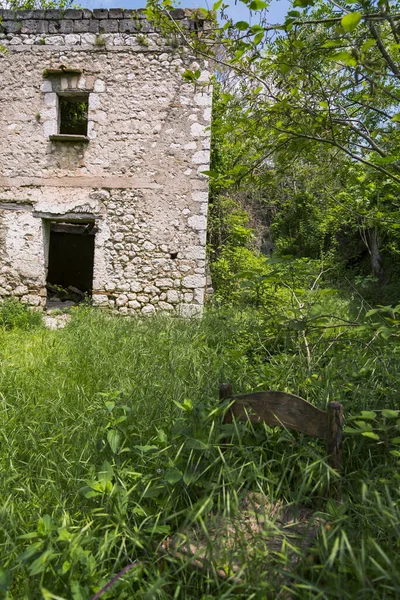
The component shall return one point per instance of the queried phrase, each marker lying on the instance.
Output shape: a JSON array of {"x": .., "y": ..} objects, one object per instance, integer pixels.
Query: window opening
[
  {"x": 70, "y": 263},
  {"x": 73, "y": 114}
]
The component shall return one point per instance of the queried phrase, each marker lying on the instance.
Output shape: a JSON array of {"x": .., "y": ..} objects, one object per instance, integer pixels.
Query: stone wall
[{"x": 139, "y": 176}]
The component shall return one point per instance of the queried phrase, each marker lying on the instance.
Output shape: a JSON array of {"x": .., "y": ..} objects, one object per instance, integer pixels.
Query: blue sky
[{"x": 238, "y": 12}]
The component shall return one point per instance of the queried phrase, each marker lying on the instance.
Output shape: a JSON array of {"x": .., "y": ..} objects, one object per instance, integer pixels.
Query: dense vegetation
[
  {"x": 110, "y": 442},
  {"x": 111, "y": 428}
]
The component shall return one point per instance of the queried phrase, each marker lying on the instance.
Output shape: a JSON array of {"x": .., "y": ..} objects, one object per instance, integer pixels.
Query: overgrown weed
[{"x": 111, "y": 441}]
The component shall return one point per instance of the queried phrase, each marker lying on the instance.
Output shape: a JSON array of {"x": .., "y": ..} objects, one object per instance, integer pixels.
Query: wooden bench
[
  {"x": 292, "y": 412},
  {"x": 216, "y": 544}
]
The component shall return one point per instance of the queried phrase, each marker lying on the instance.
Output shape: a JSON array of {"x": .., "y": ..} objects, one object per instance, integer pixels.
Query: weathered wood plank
[{"x": 280, "y": 408}]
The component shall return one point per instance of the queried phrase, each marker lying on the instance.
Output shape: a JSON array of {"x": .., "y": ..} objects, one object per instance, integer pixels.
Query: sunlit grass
[{"x": 109, "y": 428}]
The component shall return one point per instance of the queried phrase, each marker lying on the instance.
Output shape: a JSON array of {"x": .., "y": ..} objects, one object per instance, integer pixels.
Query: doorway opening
[{"x": 70, "y": 263}]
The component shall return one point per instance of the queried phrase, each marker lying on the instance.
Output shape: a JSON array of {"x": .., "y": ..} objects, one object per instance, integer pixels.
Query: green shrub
[{"x": 15, "y": 315}]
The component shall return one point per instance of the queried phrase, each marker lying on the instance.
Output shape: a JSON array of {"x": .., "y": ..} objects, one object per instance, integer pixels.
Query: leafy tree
[
  {"x": 310, "y": 104},
  {"x": 34, "y": 4}
]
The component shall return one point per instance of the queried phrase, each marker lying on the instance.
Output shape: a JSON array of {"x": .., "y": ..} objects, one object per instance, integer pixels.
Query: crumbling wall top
[{"x": 99, "y": 20}]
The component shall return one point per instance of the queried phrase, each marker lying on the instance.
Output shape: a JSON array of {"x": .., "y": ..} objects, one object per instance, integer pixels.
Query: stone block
[
  {"x": 173, "y": 296},
  {"x": 130, "y": 26},
  {"x": 100, "y": 299},
  {"x": 201, "y": 157},
  {"x": 116, "y": 13},
  {"x": 100, "y": 13},
  {"x": 7, "y": 15},
  {"x": 72, "y": 13},
  {"x": 134, "y": 304},
  {"x": 190, "y": 310},
  {"x": 148, "y": 309},
  {"x": 35, "y": 27},
  {"x": 136, "y": 286},
  {"x": 81, "y": 26},
  {"x": 197, "y": 222},
  {"x": 86, "y": 13},
  {"x": 165, "y": 306},
  {"x": 194, "y": 281},
  {"x": 54, "y": 27},
  {"x": 54, "y": 14},
  {"x": 72, "y": 40},
  {"x": 66, "y": 27},
  {"x": 134, "y": 14},
  {"x": 27, "y": 15},
  {"x": 108, "y": 26},
  {"x": 99, "y": 86},
  {"x": 10, "y": 27},
  {"x": 177, "y": 14},
  {"x": 203, "y": 99},
  {"x": 198, "y": 130},
  {"x": 122, "y": 300},
  {"x": 94, "y": 26},
  {"x": 164, "y": 283}
]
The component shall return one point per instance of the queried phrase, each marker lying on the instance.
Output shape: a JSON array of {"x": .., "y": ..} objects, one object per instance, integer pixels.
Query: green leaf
[
  {"x": 390, "y": 414},
  {"x": 396, "y": 440},
  {"x": 241, "y": 26},
  {"x": 346, "y": 57},
  {"x": 91, "y": 494},
  {"x": 146, "y": 448},
  {"x": 44, "y": 524},
  {"x": 110, "y": 406},
  {"x": 173, "y": 476},
  {"x": 114, "y": 439},
  {"x": 368, "y": 414},
  {"x": 396, "y": 118},
  {"x": 370, "y": 434},
  {"x": 194, "y": 444},
  {"x": 189, "y": 75},
  {"x": 284, "y": 68},
  {"x": 331, "y": 44},
  {"x": 31, "y": 551},
  {"x": 154, "y": 491},
  {"x": 77, "y": 591},
  {"x": 47, "y": 595},
  {"x": 163, "y": 529},
  {"x": 258, "y": 38},
  {"x": 106, "y": 473},
  {"x": 303, "y": 3},
  {"x": 40, "y": 564},
  {"x": 4, "y": 580},
  {"x": 350, "y": 21},
  {"x": 257, "y": 5},
  {"x": 216, "y": 5},
  {"x": 368, "y": 44}
]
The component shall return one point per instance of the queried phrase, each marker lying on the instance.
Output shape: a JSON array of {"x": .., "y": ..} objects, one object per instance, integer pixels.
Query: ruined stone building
[{"x": 102, "y": 149}]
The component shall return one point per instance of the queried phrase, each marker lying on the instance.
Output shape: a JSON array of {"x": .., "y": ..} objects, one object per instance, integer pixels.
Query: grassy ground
[{"x": 110, "y": 442}]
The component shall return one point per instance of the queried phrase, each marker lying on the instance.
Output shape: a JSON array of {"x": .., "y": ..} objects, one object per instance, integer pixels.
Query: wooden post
[
  {"x": 225, "y": 391},
  {"x": 334, "y": 441}
]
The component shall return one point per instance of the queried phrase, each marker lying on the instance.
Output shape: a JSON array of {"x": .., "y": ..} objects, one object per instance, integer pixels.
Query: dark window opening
[
  {"x": 73, "y": 114},
  {"x": 70, "y": 263}
]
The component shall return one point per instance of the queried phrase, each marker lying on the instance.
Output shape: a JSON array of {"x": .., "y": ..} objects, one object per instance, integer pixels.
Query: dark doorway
[{"x": 71, "y": 259}]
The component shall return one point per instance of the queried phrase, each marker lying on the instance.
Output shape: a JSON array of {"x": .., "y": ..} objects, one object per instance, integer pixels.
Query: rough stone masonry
[{"x": 134, "y": 177}]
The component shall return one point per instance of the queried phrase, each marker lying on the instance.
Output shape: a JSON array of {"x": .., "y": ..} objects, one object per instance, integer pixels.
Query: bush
[{"x": 15, "y": 315}]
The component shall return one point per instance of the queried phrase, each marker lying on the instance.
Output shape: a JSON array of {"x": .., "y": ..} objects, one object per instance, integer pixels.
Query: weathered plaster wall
[{"x": 139, "y": 176}]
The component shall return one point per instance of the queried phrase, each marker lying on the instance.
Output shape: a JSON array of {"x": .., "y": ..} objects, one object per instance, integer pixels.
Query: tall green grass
[{"x": 110, "y": 441}]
